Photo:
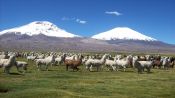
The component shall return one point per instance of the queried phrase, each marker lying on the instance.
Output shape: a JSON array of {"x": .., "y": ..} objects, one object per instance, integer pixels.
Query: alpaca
[
  {"x": 90, "y": 63},
  {"x": 46, "y": 61},
  {"x": 7, "y": 63},
  {"x": 22, "y": 64}
]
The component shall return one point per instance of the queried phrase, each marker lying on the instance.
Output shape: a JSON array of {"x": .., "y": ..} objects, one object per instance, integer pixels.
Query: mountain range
[{"x": 45, "y": 36}]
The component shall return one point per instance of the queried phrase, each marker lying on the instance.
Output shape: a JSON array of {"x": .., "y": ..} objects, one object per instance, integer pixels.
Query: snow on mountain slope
[
  {"x": 122, "y": 33},
  {"x": 40, "y": 27}
]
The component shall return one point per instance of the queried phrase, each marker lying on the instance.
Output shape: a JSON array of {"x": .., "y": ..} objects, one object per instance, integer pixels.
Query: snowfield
[
  {"x": 40, "y": 27},
  {"x": 122, "y": 33}
]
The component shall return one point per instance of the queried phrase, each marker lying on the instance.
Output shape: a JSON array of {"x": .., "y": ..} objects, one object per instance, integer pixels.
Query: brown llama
[{"x": 73, "y": 63}]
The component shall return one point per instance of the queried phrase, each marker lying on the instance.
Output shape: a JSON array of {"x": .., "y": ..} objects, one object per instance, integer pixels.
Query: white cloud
[
  {"x": 74, "y": 20},
  {"x": 113, "y": 13},
  {"x": 81, "y": 21},
  {"x": 67, "y": 19}
]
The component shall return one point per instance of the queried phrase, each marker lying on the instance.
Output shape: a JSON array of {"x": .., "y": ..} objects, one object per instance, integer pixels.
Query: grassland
[{"x": 58, "y": 83}]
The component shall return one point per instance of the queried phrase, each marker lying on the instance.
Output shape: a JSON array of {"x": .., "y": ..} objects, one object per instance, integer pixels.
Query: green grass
[{"x": 57, "y": 83}]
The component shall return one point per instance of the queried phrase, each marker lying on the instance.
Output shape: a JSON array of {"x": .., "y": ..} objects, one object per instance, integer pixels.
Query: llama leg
[
  {"x": 117, "y": 67},
  {"x": 101, "y": 67},
  {"x": 172, "y": 65},
  {"x": 47, "y": 67},
  {"x": 67, "y": 67},
  {"x": 76, "y": 68},
  {"x": 114, "y": 68},
  {"x": 73, "y": 68},
  {"x": 163, "y": 67},
  {"x": 154, "y": 66},
  {"x": 97, "y": 68},
  {"x": 140, "y": 70},
  {"x": 159, "y": 66},
  {"x": 107, "y": 66},
  {"x": 148, "y": 69},
  {"x": 6, "y": 70},
  {"x": 87, "y": 68},
  {"x": 91, "y": 68},
  {"x": 143, "y": 69},
  {"x": 37, "y": 67},
  {"x": 19, "y": 70},
  {"x": 25, "y": 69},
  {"x": 124, "y": 68}
]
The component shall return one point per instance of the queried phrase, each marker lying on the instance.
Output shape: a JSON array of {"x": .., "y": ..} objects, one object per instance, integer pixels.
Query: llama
[
  {"x": 85, "y": 59},
  {"x": 73, "y": 63},
  {"x": 140, "y": 65},
  {"x": 31, "y": 58},
  {"x": 111, "y": 65},
  {"x": 60, "y": 59},
  {"x": 124, "y": 62},
  {"x": 172, "y": 61},
  {"x": 118, "y": 57},
  {"x": 3, "y": 56},
  {"x": 165, "y": 62},
  {"x": 157, "y": 61},
  {"x": 90, "y": 63},
  {"x": 21, "y": 64},
  {"x": 46, "y": 61},
  {"x": 146, "y": 64},
  {"x": 7, "y": 63},
  {"x": 40, "y": 56},
  {"x": 73, "y": 57}
]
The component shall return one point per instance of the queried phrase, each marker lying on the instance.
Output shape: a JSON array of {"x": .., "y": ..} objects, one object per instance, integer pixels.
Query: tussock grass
[{"x": 57, "y": 83}]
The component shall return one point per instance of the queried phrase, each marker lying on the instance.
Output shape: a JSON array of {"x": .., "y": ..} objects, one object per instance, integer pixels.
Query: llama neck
[
  {"x": 80, "y": 60},
  {"x": 52, "y": 59},
  {"x": 103, "y": 59},
  {"x": 11, "y": 60},
  {"x": 63, "y": 58}
]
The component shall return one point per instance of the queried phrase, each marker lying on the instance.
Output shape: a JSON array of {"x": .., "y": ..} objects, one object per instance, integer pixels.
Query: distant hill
[
  {"x": 45, "y": 36},
  {"x": 46, "y": 43}
]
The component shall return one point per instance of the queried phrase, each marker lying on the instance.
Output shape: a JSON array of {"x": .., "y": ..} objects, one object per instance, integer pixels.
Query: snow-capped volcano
[
  {"x": 122, "y": 33},
  {"x": 40, "y": 27}
]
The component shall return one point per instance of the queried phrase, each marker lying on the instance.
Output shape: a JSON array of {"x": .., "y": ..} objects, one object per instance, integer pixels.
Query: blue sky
[{"x": 155, "y": 18}]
